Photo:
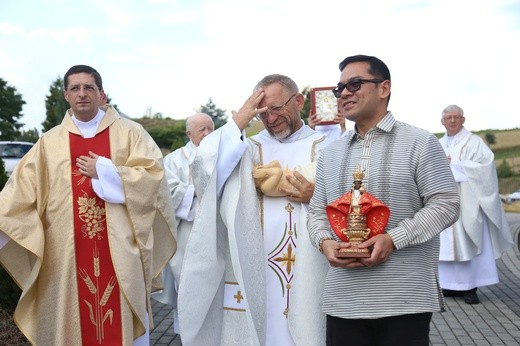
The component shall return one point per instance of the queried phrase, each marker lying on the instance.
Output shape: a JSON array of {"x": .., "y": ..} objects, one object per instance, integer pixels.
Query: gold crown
[{"x": 358, "y": 174}]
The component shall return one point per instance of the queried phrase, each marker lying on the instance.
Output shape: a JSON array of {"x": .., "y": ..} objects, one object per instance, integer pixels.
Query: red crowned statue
[{"x": 357, "y": 216}]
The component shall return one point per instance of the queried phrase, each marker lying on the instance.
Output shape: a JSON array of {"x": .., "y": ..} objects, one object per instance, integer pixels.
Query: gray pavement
[{"x": 495, "y": 321}]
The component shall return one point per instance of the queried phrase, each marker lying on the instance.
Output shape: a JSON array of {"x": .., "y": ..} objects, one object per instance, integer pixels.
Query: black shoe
[{"x": 471, "y": 297}]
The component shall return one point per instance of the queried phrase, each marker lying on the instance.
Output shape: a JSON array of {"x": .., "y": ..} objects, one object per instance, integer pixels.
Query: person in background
[
  {"x": 244, "y": 278},
  {"x": 180, "y": 183},
  {"x": 389, "y": 297},
  {"x": 81, "y": 218},
  {"x": 331, "y": 131},
  {"x": 480, "y": 235}
]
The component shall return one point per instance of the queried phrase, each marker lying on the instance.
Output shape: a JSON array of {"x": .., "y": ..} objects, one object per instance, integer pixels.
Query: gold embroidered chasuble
[{"x": 36, "y": 213}]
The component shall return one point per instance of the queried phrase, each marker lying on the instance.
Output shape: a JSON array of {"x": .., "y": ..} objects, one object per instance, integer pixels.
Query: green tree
[
  {"x": 55, "y": 105},
  {"x": 490, "y": 138},
  {"x": 3, "y": 175},
  {"x": 9, "y": 291},
  {"x": 11, "y": 104},
  {"x": 504, "y": 170},
  {"x": 306, "y": 111},
  {"x": 168, "y": 137},
  {"x": 218, "y": 115},
  {"x": 31, "y": 135}
]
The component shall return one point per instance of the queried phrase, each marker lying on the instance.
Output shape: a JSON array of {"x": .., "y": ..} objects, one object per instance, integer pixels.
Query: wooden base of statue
[{"x": 357, "y": 232}]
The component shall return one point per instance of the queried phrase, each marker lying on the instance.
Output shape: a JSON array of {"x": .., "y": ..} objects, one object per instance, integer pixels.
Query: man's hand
[
  {"x": 301, "y": 190},
  {"x": 330, "y": 250},
  {"x": 340, "y": 119},
  {"x": 313, "y": 121},
  {"x": 382, "y": 247},
  {"x": 249, "y": 109},
  {"x": 87, "y": 165}
]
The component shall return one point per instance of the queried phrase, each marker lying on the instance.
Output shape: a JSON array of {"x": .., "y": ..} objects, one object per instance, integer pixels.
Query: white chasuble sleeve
[{"x": 108, "y": 186}]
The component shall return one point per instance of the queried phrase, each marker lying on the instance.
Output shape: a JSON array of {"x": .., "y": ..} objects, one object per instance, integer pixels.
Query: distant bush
[
  {"x": 168, "y": 137},
  {"x": 504, "y": 170},
  {"x": 490, "y": 138},
  {"x": 3, "y": 175}
]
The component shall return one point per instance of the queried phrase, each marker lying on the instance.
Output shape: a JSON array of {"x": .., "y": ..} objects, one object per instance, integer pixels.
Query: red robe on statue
[{"x": 377, "y": 214}]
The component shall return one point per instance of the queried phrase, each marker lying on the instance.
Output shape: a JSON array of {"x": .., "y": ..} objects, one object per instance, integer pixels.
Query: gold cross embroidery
[
  {"x": 238, "y": 296},
  {"x": 287, "y": 259}
]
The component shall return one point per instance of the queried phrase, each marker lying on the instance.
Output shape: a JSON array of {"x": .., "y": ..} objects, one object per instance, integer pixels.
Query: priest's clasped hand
[
  {"x": 301, "y": 189},
  {"x": 87, "y": 165}
]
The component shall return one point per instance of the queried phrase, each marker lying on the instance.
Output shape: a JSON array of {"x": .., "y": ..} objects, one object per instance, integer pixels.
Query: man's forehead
[
  {"x": 355, "y": 69},
  {"x": 273, "y": 93},
  {"x": 81, "y": 77}
]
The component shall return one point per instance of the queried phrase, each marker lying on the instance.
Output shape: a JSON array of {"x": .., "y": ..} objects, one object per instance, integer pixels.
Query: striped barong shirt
[{"x": 406, "y": 168}]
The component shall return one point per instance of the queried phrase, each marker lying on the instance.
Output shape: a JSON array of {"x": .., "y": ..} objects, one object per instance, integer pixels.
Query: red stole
[{"x": 98, "y": 290}]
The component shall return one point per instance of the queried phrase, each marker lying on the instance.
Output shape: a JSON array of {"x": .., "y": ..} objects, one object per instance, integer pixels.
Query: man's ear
[{"x": 300, "y": 100}]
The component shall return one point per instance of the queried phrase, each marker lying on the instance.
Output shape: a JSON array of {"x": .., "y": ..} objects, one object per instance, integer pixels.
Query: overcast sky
[{"x": 172, "y": 56}]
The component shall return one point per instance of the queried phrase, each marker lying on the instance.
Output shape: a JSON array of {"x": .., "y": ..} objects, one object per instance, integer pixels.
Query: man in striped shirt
[{"x": 389, "y": 297}]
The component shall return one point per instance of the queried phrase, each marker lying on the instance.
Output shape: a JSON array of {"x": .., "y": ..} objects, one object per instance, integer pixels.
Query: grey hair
[
  {"x": 189, "y": 120},
  {"x": 453, "y": 108},
  {"x": 287, "y": 83}
]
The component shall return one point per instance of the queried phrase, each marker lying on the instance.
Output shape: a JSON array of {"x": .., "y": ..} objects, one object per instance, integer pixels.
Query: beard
[{"x": 280, "y": 135}]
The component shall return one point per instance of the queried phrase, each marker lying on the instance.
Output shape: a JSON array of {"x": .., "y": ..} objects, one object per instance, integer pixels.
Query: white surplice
[
  {"x": 469, "y": 248},
  {"x": 241, "y": 272},
  {"x": 180, "y": 183}
]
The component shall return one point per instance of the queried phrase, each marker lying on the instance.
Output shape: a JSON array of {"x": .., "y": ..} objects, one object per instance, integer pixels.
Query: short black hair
[
  {"x": 377, "y": 67},
  {"x": 83, "y": 69}
]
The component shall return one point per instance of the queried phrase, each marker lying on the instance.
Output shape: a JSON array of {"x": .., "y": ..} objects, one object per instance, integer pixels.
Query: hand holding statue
[{"x": 297, "y": 185}]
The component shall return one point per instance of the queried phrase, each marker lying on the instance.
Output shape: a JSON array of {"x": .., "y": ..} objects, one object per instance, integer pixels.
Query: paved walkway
[{"x": 495, "y": 321}]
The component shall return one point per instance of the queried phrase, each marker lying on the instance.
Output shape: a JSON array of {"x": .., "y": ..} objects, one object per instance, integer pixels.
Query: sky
[{"x": 170, "y": 57}]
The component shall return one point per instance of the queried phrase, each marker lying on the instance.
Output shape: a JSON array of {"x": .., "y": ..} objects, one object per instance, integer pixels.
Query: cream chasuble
[{"x": 36, "y": 209}]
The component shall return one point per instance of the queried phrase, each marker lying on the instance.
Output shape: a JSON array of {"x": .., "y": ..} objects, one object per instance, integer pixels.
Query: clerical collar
[
  {"x": 456, "y": 138},
  {"x": 88, "y": 128}
]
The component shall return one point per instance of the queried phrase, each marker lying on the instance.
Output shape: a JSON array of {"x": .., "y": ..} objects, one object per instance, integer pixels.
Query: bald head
[{"x": 198, "y": 126}]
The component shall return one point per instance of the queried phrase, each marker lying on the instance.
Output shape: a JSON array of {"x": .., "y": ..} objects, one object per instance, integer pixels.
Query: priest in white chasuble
[
  {"x": 86, "y": 225},
  {"x": 250, "y": 275},
  {"x": 469, "y": 248}
]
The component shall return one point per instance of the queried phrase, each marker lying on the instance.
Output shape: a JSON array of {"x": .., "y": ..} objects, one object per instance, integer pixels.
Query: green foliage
[
  {"x": 306, "y": 111},
  {"x": 109, "y": 101},
  {"x": 504, "y": 170},
  {"x": 29, "y": 136},
  {"x": 55, "y": 105},
  {"x": 9, "y": 291},
  {"x": 168, "y": 137},
  {"x": 11, "y": 104},
  {"x": 505, "y": 153},
  {"x": 3, "y": 175},
  {"x": 218, "y": 115},
  {"x": 490, "y": 138}
]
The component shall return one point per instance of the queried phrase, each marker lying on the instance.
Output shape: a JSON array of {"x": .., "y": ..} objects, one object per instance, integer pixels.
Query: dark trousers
[{"x": 404, "y": 330}]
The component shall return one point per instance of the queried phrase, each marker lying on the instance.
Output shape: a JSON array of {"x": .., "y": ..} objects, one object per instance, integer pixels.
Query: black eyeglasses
[
  {"x": 276, "y": 110},
  {"x": 353, "y": 85}
]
